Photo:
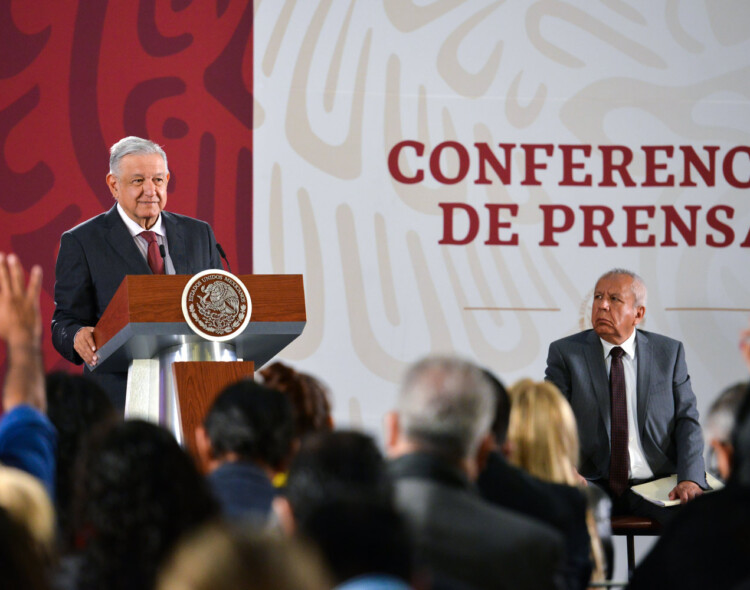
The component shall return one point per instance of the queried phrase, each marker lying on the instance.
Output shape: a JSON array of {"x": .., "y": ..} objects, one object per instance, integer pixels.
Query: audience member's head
[
  {"x": 75, "y": 405},
  {"x": 219, "y": 557},
  {"x": 446, "y": 406},
  {"x": 26, "y": 500},
  {"x": 138, "y": 492},
  {"x": 502, "y": 407},
  {"x": 542, "y": 432},
  {"x": 309, "y": 397},
  {"x": 720, "y": 423},
  {"x": 740, "y": 472},
  {"x": 21, "y": 566},
  {"x": 331, "y": 466},
  {"x": 360, "y": 538},
  {"x": 247, "y": 422}
]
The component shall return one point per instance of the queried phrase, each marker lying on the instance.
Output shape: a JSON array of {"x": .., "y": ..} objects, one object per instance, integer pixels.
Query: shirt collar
[
  {"x": 628, "y": 346},
  {"x": 134, "y": 228}
]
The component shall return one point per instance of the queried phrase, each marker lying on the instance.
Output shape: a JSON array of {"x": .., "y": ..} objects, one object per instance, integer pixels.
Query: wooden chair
[{"x": 631, "y": 527}]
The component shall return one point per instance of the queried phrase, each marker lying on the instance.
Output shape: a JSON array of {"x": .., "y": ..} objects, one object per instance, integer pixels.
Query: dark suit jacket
[
  {"x": 706, "y": 545},
  {"x": 558, "y": 505},
  {"x": 667, "y": 415},
  {"x": 459, "y": 536},
  {"x": 96, "y": 255}
]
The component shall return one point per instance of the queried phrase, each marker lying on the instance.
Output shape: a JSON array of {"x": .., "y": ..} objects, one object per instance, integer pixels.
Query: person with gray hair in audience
[
  {"x": 438, "y": 439},
  {"x": 719, "y": 425},
  {"x": 707, "y": 544}
]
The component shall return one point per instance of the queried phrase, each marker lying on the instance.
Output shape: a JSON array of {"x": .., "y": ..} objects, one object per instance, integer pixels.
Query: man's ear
[
  {"x": 486, "y": 446},
  {"x": 112, "y": 185},
  {"x": 392, "y": 431},
  {"x": 640, "y": 313},
  {"x": 204, "y": 448},
  {"x": 283, "y": 511}
]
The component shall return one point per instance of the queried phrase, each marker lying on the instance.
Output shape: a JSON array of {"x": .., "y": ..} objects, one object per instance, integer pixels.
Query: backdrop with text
[{"x": 453, "y": 176}]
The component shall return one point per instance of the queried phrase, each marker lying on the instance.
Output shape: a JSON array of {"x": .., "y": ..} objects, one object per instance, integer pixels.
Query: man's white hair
[
  {"x": 132, "y": 145},
  {"x": 638, "y": 286},
  {"x": 446, "y": 405}
]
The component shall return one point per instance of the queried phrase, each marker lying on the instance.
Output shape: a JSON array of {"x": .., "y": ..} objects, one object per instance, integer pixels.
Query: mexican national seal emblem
[{"x": 216, "y": 305}]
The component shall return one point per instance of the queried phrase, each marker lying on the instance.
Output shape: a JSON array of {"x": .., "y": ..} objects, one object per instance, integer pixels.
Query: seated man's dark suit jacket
[
  {"x": 93, "y": 260},
  {"x": 459, "y": 536},
  {"x": 667, "y": 415}
]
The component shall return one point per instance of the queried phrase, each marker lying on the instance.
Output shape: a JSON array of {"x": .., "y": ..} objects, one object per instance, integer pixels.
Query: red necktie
[
  {"x": 155, "y": 261},
  {"x": 619, "y": 460}
]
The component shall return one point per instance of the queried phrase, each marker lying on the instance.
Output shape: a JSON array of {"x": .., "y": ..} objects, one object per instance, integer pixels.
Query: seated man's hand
[
  {"x": 84, "y": 345},
  {"x": 20, "y": 316},
  {"x": 685, "y": 491}
]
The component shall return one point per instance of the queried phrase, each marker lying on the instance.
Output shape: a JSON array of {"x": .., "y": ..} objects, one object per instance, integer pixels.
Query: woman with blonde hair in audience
[
  {"x": 24, "y": 498},
  {"x": 543, "y": 440}
]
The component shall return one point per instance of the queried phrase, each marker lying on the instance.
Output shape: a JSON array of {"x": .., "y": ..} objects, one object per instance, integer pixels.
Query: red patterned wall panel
[{"x": 76, "y": 77}]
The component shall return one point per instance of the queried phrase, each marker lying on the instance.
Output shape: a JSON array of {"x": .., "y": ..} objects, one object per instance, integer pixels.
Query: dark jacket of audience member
[
  {"x": 245, "y": 439},
  {"x": 361, "y": 539},
  {"x": 138, "y": 493},
  {"x": 559, "y": 505},
  {"x": 75, "y": 406},
  {"x": 707, "y": 544}
]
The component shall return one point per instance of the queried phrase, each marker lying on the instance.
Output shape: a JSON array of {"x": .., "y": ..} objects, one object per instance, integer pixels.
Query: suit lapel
[
  {"x": 176, "y": 244},
  {"x": 643, "y": 358},
  {"x": 120, "y": 240},
  {"x": 598, "y": 374}
]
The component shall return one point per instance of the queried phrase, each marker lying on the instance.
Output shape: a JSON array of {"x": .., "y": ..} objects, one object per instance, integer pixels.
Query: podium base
[{"x": 152, "y": 389}]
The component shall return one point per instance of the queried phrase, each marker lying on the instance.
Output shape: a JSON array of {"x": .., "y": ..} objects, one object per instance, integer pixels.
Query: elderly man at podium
[{"x": 136, "y": 236}]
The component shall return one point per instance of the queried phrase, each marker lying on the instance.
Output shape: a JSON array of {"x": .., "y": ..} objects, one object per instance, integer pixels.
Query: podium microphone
[
  {"x": 223, "y": 255},
  {"x": 163, "y": 253}
]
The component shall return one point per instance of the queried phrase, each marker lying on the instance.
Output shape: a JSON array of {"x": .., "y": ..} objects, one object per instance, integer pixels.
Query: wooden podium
[{"x": 173, "y": 373}]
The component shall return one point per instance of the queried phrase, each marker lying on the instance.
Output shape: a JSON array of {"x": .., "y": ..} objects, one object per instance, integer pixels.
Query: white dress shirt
[
  {"x": 142, "y": 244},
  {"x": 639, "y": 468}
]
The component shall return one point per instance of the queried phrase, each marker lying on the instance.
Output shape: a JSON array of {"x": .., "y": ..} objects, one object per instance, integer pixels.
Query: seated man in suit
[
  {"x": 136, "y": 236},
  {"x": 631, "y": 395},
  {"x": 438, "y": 438}
]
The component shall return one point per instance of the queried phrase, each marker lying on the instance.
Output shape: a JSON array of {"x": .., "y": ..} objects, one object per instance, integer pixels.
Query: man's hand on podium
[{"x": 84, "y": 345}]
